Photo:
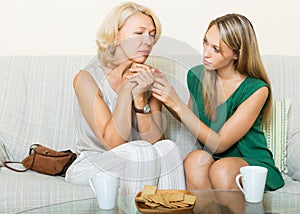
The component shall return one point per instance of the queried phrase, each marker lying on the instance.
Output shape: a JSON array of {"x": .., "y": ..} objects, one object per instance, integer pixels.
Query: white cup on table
[
  {"x": 253, "y": 182},
  {"x": 105, "y": 187}
]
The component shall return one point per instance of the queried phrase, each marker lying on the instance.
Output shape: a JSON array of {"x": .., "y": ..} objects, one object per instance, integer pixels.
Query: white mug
[
  {"x": 105, "y": 187},
  {"x": 253, "y": 181}
]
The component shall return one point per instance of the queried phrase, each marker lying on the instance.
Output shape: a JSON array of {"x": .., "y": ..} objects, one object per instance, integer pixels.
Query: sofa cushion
[
  {"x": 283, "y": 72},
  {"x": 29, "y": 190},
  {"x": 3, "y": 153},
  {"x": 276, "y": 132},
  {"x": 36, "y": 102},
  {"x": 290, "y": 185},
  {"x": 293, "y": 161}
]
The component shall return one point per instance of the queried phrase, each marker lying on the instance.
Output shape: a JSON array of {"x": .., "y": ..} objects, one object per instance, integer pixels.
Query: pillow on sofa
[
  {"x": 3, "y": 153},
  {"x": 276, "y": 133},
  {"x": 293, "y": 160}
]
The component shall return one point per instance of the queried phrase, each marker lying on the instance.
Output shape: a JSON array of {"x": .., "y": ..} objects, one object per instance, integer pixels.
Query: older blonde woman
[{"x": 118, "y": 122}]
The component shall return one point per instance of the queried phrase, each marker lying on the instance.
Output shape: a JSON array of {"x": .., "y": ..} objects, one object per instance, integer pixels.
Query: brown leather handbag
[{"x": 47, "y": 161}]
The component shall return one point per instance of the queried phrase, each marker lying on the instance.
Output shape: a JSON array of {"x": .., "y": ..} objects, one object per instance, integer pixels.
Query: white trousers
[{"x": 136, "y": 163}]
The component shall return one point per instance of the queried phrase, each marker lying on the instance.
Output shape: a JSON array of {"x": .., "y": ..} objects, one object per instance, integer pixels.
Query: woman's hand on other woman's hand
[
  {"x": 164, "y": 92},
  {"x": 143, "y": 76}
]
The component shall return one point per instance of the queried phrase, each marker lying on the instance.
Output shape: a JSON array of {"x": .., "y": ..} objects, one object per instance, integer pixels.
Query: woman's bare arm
[
  {"x": 111, "y": 128},
  {"x": 234, "y": 128},
  {"x": 149, "y": 125}
]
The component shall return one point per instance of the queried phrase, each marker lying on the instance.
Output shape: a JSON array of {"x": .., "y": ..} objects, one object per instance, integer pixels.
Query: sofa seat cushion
[
  {"x": 290, "y": 186},
  {"x": 29, "y": 190}
]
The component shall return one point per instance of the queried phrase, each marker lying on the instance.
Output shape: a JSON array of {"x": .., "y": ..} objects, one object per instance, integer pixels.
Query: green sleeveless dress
[{"x": 253, "y": 146}]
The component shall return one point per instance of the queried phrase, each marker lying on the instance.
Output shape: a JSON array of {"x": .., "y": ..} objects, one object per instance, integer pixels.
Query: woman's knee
[
  {"x": 196, "y": 166},
  {"x": 138, "y": 150},
  {"x": 222, "y": 172},
  {"x": 199, "y": 158},
  {"x": 164, "y": 147},
  {"x": 166, "y": 143}
]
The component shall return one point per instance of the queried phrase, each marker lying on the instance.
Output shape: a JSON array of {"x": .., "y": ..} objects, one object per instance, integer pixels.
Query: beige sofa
[{"x": 36, "y": 100}]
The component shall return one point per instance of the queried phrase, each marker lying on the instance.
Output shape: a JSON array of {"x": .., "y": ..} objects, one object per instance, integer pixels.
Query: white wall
[{"x": 51, "y": 27}]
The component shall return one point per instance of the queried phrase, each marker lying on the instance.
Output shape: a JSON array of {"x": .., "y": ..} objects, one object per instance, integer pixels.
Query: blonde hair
[
  {"x": 108, "y": 31},
  {"x": 237, "y": 32}
]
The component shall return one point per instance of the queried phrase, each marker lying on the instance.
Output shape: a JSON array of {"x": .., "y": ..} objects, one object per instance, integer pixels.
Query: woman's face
[
  {"x": 137, "y": 37},
  {"x": 216, "y": 54}
]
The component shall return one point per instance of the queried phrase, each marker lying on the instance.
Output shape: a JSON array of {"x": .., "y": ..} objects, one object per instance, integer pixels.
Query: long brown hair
[{"x": 237, "y": 32}]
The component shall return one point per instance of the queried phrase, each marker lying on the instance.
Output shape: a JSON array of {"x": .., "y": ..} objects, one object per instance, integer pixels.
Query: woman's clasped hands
[
  {"x": 143, "y": 76},
  {"x": 152, "y": 79}
]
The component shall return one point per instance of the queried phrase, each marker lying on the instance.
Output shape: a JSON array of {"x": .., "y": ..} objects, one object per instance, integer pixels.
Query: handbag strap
[
  {"x": 32, "y": 148},
  {"x": 31, "y": 151},
  {"x": 6, "y": 164}
]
